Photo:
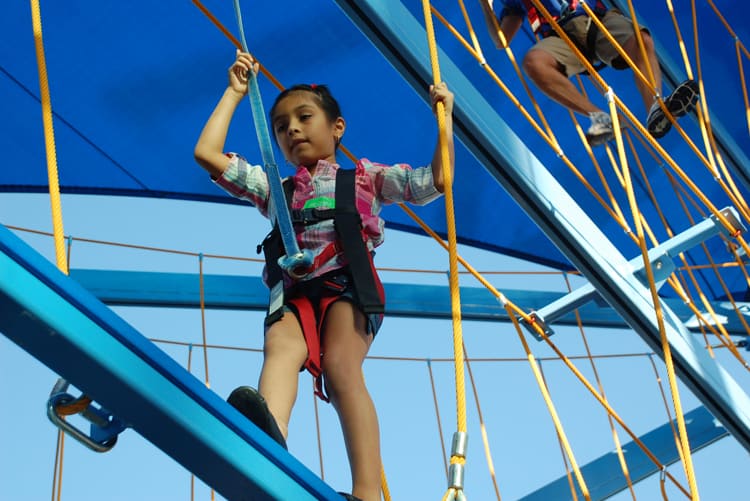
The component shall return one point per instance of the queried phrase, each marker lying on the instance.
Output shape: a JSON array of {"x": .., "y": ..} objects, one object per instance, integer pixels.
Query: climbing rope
[
  {"x": 460, "y": 438},
  {"x": 57, "y": 220},
  {"x": 666, "y": 347},
  {"x": 738, "y": 51}
]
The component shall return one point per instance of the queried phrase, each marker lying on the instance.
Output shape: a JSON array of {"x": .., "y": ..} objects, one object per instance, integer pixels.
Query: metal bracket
[{"x": 661, "y": 258}]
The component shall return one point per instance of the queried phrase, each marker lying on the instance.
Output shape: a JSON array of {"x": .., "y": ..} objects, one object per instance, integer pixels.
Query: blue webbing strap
[{"x": 295, "y": 262}]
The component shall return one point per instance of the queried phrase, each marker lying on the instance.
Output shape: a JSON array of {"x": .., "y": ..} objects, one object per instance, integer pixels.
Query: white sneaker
[{"x": 601, "y": 129}]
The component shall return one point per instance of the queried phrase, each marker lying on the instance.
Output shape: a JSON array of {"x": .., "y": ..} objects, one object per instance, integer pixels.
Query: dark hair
[{"x": 325, "y": 99}]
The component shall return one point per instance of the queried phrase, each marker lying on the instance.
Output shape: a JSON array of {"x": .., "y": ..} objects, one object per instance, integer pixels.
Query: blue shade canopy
[{"x": 133, "y": 83}]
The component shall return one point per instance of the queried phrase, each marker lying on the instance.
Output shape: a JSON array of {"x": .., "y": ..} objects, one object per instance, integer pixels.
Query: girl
[{"x": 331, "y": 313}]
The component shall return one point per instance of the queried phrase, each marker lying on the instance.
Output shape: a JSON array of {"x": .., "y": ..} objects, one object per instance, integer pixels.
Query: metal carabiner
[{"x": 104, "y": 426}]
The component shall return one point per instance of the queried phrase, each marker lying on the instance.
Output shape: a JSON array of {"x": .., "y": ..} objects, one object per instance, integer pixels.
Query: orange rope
[
  {"x": 483, "y": 428},
  {"x": 190, "y": 370},
  {"x": 203, "y": 318},
  {"x": 742, "y": 81},
  {"x": 728, "y": 27},
  {"x": 437, "y": 415},
  {"x": 318, "y": 435},
  {"x": 600, "y": 386},
  {"x": 57, "y": 470}
]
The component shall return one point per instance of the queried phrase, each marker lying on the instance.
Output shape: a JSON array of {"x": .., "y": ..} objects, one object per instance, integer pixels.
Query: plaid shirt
[{"x": 377, "y": 184}]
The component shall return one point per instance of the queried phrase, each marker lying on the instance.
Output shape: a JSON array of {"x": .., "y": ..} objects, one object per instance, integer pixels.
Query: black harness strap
[
  {"x": 348, "y": 225},
  {"x": 273, "y": 248},
  {"x": 592, "y": 32}
]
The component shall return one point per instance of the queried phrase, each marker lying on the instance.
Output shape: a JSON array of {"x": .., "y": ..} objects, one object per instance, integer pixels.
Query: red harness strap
[{"x": 312, "y": 323}]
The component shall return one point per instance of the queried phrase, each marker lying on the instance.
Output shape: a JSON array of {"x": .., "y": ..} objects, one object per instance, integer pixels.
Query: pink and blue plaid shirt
[{"x": 377, "y": 184}]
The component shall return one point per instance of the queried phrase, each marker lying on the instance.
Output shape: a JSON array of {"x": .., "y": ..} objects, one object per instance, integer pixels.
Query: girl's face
[{"x": 303, "y": 131}]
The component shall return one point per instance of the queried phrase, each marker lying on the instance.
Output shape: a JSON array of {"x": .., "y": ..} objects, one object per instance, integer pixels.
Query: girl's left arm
[{"x": 440, "y": 93}]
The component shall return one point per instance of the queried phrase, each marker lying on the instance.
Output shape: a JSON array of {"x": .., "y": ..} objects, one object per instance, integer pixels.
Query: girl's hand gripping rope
[{"x": 239, "y": 72}]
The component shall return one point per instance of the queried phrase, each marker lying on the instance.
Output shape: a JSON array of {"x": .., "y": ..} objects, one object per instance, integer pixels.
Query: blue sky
[{"x": 523, "y": 446}]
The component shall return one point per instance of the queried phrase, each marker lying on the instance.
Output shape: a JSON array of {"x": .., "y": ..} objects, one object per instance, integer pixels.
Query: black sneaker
[
  {"x": 680, "y": 102},
  {"x": 253, "y": 406}
]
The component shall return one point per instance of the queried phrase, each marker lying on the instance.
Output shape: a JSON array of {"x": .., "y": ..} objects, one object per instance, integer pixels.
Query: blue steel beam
[
  {"x": 62, "y": 325},
  {"x": 604, "y": 476},
  {"x": 661, "y": 259},
  {"x": 403, "y": 41},
  {"x": 181, "y": 290}
]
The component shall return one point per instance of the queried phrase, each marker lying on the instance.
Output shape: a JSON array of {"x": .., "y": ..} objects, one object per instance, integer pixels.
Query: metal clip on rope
[
  {"x": 456, "y": 470},
  {"x": 296, "y": 262},
  {"x": 104, "y": 426}
]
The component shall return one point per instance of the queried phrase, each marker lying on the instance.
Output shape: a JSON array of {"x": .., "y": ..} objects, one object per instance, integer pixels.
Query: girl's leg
[
  {"x": 284, "y": 352},
  {"x": 345, "y": 344}
]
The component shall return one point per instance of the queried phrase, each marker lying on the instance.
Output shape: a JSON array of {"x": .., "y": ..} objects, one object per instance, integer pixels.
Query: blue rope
[{"x": 295, "y": 262}]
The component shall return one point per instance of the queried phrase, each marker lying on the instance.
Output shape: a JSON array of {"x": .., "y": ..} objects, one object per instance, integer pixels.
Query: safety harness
[
  {"x": 568, "y": 11},
  {"x": 311, "y": 298}
]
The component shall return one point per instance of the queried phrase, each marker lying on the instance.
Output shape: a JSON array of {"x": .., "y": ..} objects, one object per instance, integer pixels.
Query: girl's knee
[
  {"x": 343, "y": 378},
  {"x": 283, "y": 341}
]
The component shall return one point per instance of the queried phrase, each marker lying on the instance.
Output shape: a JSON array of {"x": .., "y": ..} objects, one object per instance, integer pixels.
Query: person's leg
[
  {"x": 679, "y": 102},
  {"x": 633, "y": 50},
  {"x": 284, "y": 352},
  {"x": 549, "y": 76},
  {"x": 622, "y": 30},
  {"x": 549, "y": 64},
  {"x": 345, "y": 345}
]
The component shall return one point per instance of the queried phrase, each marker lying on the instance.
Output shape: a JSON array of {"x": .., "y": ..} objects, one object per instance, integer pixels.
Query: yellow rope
[
  {"x": 550, "y": 406},
  {"x": 668, "y": 160},
  {"x": 641, "y": 45},
  {"x": 458, "y": 458},
  {"x": 666, "y": 348},
  {"x": 547, "y": 136},
  {"x": 55, "y": 202},
  {"x": 384, "y": 485},
  {"x": 49, "y": 140},
  {"x": 477, "y": 53},
  {"x": 705, "y": 121},
  {"x": 625, "y": 110}
]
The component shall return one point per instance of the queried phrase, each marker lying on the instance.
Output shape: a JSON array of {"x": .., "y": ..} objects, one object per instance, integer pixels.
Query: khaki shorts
[{"x": 618, "y": 25}]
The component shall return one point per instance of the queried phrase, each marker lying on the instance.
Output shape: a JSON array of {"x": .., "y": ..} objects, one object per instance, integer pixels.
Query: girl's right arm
[{"x": 209, "y": 150}]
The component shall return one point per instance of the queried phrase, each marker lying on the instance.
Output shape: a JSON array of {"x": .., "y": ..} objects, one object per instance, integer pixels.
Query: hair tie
[{"x": 313, "y": 86}]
